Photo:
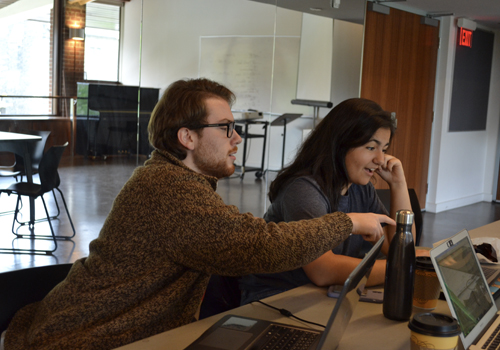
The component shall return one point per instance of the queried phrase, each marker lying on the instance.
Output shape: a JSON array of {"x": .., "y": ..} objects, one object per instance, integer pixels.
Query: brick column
[{"x": 73, "y": 56}]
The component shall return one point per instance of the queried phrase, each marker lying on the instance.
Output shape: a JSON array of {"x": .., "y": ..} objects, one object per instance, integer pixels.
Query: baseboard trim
[{"x": 457, "y": 203}]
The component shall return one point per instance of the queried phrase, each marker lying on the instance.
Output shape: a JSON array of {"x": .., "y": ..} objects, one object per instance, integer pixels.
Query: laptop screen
[{"x": 464, "y": 285}]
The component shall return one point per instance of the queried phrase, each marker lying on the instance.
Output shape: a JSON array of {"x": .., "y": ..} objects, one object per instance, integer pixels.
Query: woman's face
[{"x": 361, "y": 162}]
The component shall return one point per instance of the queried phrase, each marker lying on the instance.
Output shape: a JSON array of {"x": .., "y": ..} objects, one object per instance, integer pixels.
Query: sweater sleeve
[{"x": 218, "y": 239}]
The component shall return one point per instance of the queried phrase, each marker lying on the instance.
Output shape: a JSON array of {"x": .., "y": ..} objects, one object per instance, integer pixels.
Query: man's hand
[{"x": 368, "y": 225}]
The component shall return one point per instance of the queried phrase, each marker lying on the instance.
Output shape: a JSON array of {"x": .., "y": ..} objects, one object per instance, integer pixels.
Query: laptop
[
  {"x": 490, "y": 270},
  {"x": 238, "y": 333},
  {"x": 492, "y": 277},
  {"x": 466, "y": 290}
]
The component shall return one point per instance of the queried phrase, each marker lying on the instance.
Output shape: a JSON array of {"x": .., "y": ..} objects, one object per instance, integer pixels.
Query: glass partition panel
[
  {"x": 269, "y": 52},
  {"x": 323, "y": 70},
  {"x": 228, "y": 41},
  {"x": 294, "y": 80}
]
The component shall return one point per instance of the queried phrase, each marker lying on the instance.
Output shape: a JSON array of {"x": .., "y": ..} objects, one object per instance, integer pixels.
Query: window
[
  {"x": 102, "y": 42},
  {"x": 25, "y": 61}
]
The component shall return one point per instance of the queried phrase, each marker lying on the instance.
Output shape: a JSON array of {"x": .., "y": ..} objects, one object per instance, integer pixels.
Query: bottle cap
[{"x": 404, "y": 217}]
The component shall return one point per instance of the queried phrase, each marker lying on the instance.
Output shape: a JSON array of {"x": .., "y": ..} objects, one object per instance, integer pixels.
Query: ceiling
[{"x": 484, "y": 12}]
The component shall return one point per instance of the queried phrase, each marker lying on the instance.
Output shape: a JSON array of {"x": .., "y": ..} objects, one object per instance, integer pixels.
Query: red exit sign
[{"x": 465, "y": 38}]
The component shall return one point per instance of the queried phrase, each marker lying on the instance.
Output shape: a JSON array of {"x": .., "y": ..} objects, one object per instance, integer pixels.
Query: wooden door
[{"x": 399, "y": 69}]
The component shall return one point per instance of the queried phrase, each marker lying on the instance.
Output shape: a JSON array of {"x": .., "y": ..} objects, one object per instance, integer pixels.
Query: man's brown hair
[{"x": 183, "y": 105}]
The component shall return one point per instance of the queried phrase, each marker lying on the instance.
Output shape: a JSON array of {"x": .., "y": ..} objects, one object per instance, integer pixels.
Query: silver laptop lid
[
  {"x": 240, "y": 332},
  {"x": 464, "y": 285},
  {"x": 348, "y": 300}
]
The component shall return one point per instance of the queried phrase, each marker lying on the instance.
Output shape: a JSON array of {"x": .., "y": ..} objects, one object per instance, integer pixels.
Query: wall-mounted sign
[{"x": 465, "y": 38}]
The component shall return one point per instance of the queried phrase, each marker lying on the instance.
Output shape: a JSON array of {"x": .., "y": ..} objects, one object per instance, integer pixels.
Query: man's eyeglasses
[{"x": 229, "y": 127}]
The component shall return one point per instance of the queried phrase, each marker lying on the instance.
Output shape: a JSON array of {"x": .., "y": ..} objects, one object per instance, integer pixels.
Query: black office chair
[
  {"x": 36, "y": 157},
  {"x": 222, "y": 294},
  {"x": 10, "y": 170},
  {"x": 36, "y": 152},
  {"x": 385, "y": 198},
  {"x": 49, "y": 180},
  {"x": 26, "y": 286}
]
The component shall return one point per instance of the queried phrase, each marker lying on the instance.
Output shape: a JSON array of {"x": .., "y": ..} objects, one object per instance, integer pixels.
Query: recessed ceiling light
[{"x": 317, "y": 9}]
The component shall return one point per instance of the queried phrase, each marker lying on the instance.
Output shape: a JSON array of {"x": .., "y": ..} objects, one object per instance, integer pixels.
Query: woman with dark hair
[{"x": 332, "y": 172}]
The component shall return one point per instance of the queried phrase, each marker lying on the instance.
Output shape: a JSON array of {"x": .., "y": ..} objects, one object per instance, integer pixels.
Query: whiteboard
[
  {"x": 245, "y": 65},
  {"x": 315, "y": 63}
]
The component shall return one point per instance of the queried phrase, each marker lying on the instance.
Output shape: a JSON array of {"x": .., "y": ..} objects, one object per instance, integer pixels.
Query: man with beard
[{"x": 168, "y": 231}]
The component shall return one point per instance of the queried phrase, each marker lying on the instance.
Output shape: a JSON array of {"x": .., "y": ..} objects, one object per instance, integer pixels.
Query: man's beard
[{"x": 208, "y": 164}]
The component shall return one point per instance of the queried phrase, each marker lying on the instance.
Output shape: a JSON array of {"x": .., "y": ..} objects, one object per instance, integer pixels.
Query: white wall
[
  {"x": 171, "y": 38},
  {"x": 346, "y": 61},
  {"x": 172, "y": 31},
  {"x": 346, "y": 53},
  {"x": 462, "y": 164},
  {"x": 171, "y": 51},
  {"x": 315, "y": 58}
]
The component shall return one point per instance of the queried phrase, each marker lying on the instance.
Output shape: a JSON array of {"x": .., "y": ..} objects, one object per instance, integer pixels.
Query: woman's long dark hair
[{"x": 350, "y": 124}]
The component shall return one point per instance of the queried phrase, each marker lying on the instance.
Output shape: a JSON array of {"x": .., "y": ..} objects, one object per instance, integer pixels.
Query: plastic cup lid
[
  {"x": 434, "y": 324},
  {"x": 424, "y": 263}
]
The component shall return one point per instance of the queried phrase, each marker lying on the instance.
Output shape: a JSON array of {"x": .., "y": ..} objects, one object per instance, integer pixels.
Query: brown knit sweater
[{"x": 146, "y": 273}]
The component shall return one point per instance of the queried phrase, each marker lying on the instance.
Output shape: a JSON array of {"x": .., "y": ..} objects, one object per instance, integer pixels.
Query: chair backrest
[
  {"x": 49, "y": 176},
  {"x": 22, "y": 287},
  {"x": 417, "y": 212},
  {"x": 385, "y": 198},
  {"x": 36, "y": 151}
]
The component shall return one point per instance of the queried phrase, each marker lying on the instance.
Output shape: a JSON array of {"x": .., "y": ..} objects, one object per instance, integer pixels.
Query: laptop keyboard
[
  {"x": 493, "y": 341},
  {"x": 278, "y": 337},
  {"x": 488, "y": 271}
]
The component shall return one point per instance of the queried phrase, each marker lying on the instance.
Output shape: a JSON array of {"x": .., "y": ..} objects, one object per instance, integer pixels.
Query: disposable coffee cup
[
  {"x": 426, "y": 288},
  {"x": 431, "y": 330}
]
